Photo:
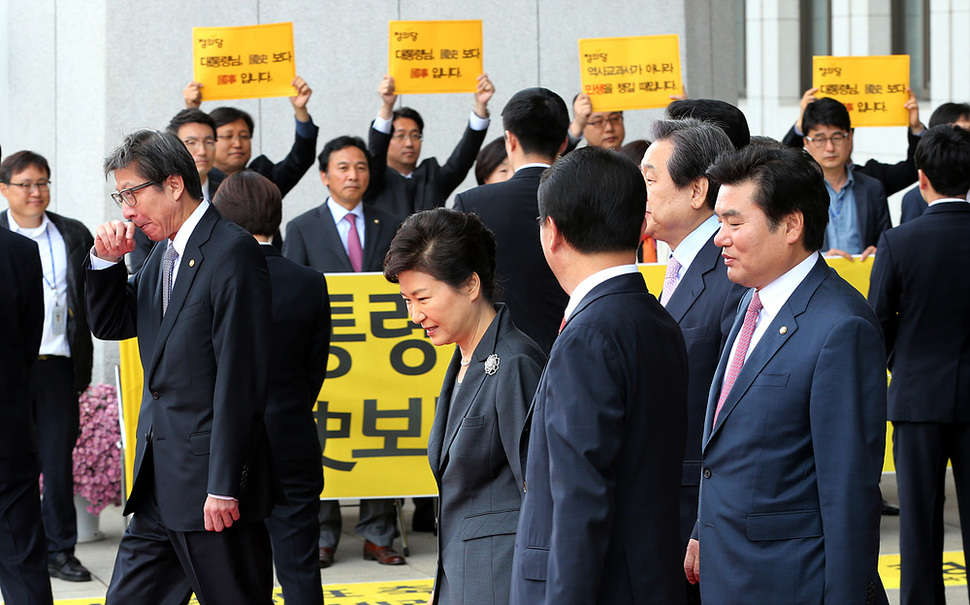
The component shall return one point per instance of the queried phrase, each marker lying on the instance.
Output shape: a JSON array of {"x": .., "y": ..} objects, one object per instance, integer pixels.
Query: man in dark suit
[
  {"x": 401, "y": 186},
  {"x": 345, "y": 235},
  {"x": 63, "y": 370},
  {"x": 920, "y": 291},
  {"x": 202, "y": 311},
  {"x": 535, "y": 122},
  {"x": 697, "y": 292},
  {"x": 603, "y": 467},
  {"x": 298, "y": 364},
  {"x": 234, "y": 133},
  {"x": 795, "y": 428},
  {"x": 23, "y": 575},
  {"x": 197, "y": 130}
]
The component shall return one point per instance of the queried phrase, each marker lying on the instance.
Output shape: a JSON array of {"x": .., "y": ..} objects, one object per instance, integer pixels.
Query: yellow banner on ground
[
  {"x": 873, "y": 89},
  {"x": 435, "y": 56},
  {"x": 244, "y": 62},
  {"x": 636, "y": 72}
]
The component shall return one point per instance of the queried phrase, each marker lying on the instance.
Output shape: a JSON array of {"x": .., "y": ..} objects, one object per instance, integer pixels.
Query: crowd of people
[{"x": 719, "y": 441}]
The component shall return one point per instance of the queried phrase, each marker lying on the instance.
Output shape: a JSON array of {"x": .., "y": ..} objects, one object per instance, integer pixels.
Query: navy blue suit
[
  {"x": 920, "y": 291},
  {"x": 913, "y": 205},
  {"x": 790, "y": 504},
  {"x": 602, "y": 475}
]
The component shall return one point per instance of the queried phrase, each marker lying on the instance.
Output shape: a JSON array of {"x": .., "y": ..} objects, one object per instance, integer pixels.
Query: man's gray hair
[
  {"x": 696, "y": 146},
  {"x": 156, "y": 155}
]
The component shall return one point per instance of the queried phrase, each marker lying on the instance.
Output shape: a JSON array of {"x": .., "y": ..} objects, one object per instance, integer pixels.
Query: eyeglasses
[
  {"x": 820, "y": 142},
  {"x": 193, "y": 143},
  {"x": 242, "y": 136},
  {"x": 615, "y": 120},
  {"x": 127, "y": 196},
  {"x": 400, "y": 136},
  {"x": 27, "y": 186}
]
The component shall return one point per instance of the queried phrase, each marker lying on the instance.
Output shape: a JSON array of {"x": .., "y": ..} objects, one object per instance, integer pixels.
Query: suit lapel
[
  {"x": 373, "y": 227},
  {"x": 189, "y": 265},
  {"x": 692, "y": 285},
  {"x": 437, "y": 435},
  {"x": 332, "y": 238}
]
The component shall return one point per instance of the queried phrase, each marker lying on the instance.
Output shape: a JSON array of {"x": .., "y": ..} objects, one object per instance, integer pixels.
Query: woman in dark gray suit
[{"x": 444, "y": 261}]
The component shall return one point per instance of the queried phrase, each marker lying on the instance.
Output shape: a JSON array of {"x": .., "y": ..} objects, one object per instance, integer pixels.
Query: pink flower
[{"x": 97, "y": 454}]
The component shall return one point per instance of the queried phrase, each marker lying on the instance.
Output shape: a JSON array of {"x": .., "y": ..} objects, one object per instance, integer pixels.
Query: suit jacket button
[
  {"x": 707, "y": 473},
  {"x": 154, "y": 394}
]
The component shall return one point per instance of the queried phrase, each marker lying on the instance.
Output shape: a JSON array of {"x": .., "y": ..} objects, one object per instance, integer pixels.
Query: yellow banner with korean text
[
  {"x": 435, "y": 56},
  {"x": 247, "y": 62},
  {"x": 636, "y": 72},
  {"x": 873, "y": 89}
]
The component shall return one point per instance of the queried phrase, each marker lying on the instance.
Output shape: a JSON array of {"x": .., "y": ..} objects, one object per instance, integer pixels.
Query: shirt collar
[
  {"x": 185, "y": 231},
  {"x": 16, "y": 228},
  {"x": 587, "y": 285},
  {"x": 339, "y": 212},
  {"x": 688, "y": 248},
  {"x": 933, "y": 203},
  {"x": 849, "y": 182},
  {"x": 776, "y": 294},
  {"x": 532, "y": 165}
]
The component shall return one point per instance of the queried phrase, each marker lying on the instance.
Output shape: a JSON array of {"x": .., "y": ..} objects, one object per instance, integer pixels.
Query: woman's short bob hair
[{"x": 446, "y": 244}]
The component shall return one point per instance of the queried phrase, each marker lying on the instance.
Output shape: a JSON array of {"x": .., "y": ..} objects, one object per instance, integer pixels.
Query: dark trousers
[
  {"x": 56, "y": 414},
  {"x": 921, "y": 451},
  {"x": 23, "y": 557},
  {"x": 159, "y": 565},
  {"x": 294, "y": 530},
  {"x": 377, "y": 523}
]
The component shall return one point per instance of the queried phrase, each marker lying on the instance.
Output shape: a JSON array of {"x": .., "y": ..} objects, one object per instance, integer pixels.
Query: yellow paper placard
[
  {"x": 244, "y": 62},
  {"x": 435, "y": 56},
  {"x": 637, "y": 72},
  {"x": 873, "y": 89}
]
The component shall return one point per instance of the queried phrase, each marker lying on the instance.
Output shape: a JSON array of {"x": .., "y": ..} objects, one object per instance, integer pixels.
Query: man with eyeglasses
[
  {"x": 398, "y": 184},
  {"x": 234, "y": 133},
  {"x": 63, "y": 370},
  {"x": 197, "y": 130},
  {"x": 858, "y": 210},
  {"x": 600, "y": 128}
]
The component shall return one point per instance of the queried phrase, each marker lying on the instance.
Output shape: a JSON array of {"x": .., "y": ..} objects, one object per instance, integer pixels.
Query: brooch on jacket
[{"x": 491, "y": 364}]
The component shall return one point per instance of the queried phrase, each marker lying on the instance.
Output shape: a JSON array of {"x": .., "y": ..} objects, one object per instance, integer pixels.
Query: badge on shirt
[{"x": 58, "y": 319}]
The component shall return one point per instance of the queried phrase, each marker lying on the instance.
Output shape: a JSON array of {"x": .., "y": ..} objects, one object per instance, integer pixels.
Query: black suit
[
  {"x": 285, "y": 174},
  {"x": 200, "y": 427},
  {"x": 704, "y": 306},
  {"x": 429, "y": 185},
  {"x": 55, "y": 385},
  {"x": 23, "y": 558},
  {"x": 299, "y": 354},
  {"x": 525, "y": 283},
  {"x": 920, "y": 292},
  {"x": 312, "y": 240}
]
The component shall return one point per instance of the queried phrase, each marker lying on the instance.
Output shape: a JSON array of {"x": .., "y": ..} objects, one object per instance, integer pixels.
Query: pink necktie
[
  {"x": 562, "y": 325},
  {"x": 744, "y": 339},
  {"x": 354, "y": 250},
  {"x": 671, "y": 279}
]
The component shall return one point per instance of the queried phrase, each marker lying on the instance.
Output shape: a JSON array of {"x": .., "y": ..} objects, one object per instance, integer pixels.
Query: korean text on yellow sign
[
  {"x": 873, "y": 89},
  {"x": 244, "y": 62},
  {"x": 638, "y": 72},
  {"x": 435, "y": 56}
]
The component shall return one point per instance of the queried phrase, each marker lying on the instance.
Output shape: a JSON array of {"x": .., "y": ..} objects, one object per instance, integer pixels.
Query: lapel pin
[
  {"x": 376, "y": 222},
  {"x": 491, "y": 364},
  {"x": 783, "y": 330},
  {"x": 191, "y": 262}
]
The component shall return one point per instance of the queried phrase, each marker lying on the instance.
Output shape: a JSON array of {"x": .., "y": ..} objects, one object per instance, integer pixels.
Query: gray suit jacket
[
  {"x": 474, "y": 451},
  {"x": 312, "y": 240}
]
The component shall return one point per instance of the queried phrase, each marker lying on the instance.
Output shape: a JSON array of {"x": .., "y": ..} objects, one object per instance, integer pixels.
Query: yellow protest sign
[
  {"x": 637, "y": 72},
  {"x": 435, "y": 56},
  {"x": 873, "y": 89},
  {"x": 244, "y": 62}
]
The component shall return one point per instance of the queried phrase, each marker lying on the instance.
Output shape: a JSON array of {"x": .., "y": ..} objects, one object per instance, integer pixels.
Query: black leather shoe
[
  {"x": 889, "y": 509},
  {"x": 66, "y": 567},
  {"x": 326, "y": 557}
]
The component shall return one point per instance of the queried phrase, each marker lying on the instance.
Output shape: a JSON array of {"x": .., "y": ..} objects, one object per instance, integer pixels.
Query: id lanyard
[{"x": 50, "y": 247}]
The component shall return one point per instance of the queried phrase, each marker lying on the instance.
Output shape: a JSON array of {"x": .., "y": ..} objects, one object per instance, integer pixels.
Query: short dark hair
[
  {"x": 539, "y": 119},
  {"x": 156, "y": 155},
  {"x": 251, "y": 201},
  {"x": 226, "y": 115},
  {"x": 407, "y": 112},
  {"x": 190, "y": 115},
  {"x": 722, "y": 114},
  {"x": 489, "y": 159},
  {"x": 17, "y": 162},
  {"x": 943, "y": 154},
  {"x": 948, "y": 113},
  {"x": 697, "y": 145},
  {"x": 446, "y": 244},
  {"x": 343, "y": 142},
  {"x": 635, "y": 150},
  {"x": 786, "y": 180},
  {"x": 826, "y": 112},
  {"x": 597, "y": 198}
]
